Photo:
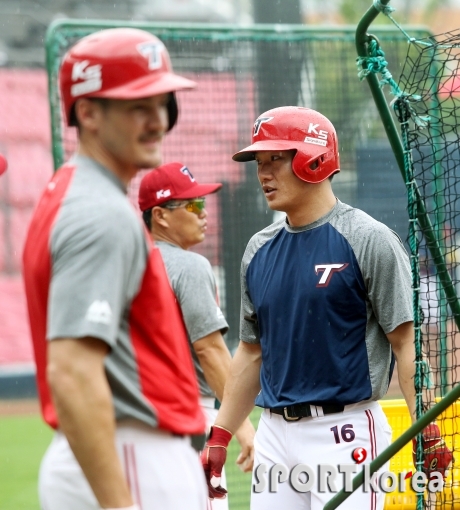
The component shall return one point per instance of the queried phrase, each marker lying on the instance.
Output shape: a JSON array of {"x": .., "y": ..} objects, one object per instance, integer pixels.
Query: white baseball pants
[
  {"x": 162, "y": 471},
  {"x": 322, "y": 440}
]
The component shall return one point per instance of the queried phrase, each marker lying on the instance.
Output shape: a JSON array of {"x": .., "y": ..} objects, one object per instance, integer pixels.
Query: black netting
[
  {"x": 430, "y": 76},
  {"x": 240, "y": 75}
]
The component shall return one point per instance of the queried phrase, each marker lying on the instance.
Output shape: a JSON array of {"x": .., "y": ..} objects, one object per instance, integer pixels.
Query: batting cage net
[
  {"x": 430, "y": 130},
  {"x": 427, "y": 109},
  {"x": 241, "y": 73}
]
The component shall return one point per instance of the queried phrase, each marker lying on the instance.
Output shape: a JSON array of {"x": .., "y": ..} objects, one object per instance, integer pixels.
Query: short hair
[
  {"x": 147, "y": 217},
  {"x": 73, "y": 120}
]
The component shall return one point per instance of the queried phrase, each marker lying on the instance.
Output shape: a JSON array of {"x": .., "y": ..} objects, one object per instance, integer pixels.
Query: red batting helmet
[
  {"x": 119, "y": 63},
  {"x": 306, "y": 131}
]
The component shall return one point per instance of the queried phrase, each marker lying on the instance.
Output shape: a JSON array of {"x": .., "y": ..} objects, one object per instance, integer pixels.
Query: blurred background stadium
[{"x": 240, "y": 75}]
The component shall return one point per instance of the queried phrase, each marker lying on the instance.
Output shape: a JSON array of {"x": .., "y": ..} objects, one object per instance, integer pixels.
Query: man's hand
[
  {"x": 245, "y": 436},
  {"x": 437, "y": 456},
  {"x": 213, "y": 459}
]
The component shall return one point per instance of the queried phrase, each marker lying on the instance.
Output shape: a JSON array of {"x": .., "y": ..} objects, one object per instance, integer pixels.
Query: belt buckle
[{"x": 289, "y": 418}]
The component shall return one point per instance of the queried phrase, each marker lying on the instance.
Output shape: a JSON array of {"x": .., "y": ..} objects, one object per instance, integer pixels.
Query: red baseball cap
[{"x": 172, "y": 181}]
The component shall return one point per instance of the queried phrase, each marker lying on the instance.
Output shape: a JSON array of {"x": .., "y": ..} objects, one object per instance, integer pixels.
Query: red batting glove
[
  {"x": 213, "y": 459},
  {"x": 436, "y": 454}
]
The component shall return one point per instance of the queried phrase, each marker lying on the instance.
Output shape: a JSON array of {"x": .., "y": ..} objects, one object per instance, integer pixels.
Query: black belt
[{"x": 298, "y": 411}]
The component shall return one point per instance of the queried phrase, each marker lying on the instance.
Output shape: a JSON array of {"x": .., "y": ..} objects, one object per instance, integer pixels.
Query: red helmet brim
[
  {"x": 147, "y": 86},
  {"x": 248, "y": 153}
]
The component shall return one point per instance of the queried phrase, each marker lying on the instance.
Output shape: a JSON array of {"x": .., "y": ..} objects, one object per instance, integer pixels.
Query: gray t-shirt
[
  {"x": 107, "y": 281},
  {"x": 320, "y": 300},
  {"x": 194, "y": 285}
]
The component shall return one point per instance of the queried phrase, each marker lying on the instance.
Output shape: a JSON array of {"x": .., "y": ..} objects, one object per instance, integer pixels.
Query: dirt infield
[{"x": 19, "y": 407}]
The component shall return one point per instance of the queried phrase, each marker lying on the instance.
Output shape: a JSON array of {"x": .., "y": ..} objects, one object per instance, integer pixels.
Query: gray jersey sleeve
[
  {"x": 92, "y": 261},
  {"x": 384, "y": 265},
  {"x": 388, "y": 279},
  {"x": 195, "y": 287}
]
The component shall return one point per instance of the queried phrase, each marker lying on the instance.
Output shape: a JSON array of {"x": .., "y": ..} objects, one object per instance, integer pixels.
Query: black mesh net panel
[
  {"x": 430, "y": 74},
  {"x": 240, "y": 75}
]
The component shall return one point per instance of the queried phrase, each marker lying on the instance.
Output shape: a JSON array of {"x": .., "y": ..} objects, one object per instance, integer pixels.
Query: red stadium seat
[{"x": 15, "y": 344}]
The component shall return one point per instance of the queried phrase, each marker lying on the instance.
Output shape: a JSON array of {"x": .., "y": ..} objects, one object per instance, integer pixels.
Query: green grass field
[{"x": 23, "y": 441}]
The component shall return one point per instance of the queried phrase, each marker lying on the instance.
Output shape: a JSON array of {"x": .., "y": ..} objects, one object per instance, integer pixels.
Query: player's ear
[
  {"x": 159, "y": 217},
  {"x": 88, "y": 114}
]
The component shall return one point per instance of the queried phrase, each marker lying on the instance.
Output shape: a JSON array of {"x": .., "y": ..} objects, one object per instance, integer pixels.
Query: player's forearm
[
  {"x": 402, "y": 343},
  {"x": 85, "y": 412},
  {"x": 215, "y": 360},
  {"x": 406, "y": 372},
  {"x": 242, "y": 387}
]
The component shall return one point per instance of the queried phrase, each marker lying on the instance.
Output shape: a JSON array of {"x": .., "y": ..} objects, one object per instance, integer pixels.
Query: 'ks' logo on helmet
[
  {"x": 152, "y": 52},
  {"x": 90, "y": 76},
  {"x": 259, "y": 122},
  {"x": 187, "y": 172}
]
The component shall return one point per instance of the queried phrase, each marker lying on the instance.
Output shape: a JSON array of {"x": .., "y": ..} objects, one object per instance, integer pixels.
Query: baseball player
[
  {"x": 173, "y": 208},
  {"x": 114, "y": 371},
  {"x": 326, "y": 308}
]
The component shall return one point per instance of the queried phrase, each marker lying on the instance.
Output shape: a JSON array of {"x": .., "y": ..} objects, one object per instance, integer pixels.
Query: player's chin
[
  {"x": 275, "y": 205},
  {"x": 149, "y": 161}
]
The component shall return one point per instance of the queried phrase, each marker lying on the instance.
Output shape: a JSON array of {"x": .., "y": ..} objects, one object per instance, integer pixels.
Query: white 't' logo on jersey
[
  {"x": 328, "y": 270},
  {"x": 99, "y": 312},
  {"x": 91, "y": 76},
  {"x": 152, "y": 52}
]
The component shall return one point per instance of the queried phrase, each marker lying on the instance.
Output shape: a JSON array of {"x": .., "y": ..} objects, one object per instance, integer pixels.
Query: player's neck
[
  {"x": 161, "y": 235},
  {"x": 315, "y": 205},
  {"x": 124, "y": 172}
]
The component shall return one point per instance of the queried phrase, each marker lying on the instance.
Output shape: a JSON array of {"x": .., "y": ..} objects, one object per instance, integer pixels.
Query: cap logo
[
  {"x": 187, "y": 172},
  {"x": 259, "y": 122},
  {"x": 152, "y": 51},
  {"x": 163, "y": 193},
  {"x": 91, "y": 76},
  {"x": 319, "y": 139}
]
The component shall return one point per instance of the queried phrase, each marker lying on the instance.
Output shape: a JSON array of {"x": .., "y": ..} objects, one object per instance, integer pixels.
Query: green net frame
[{"x": 258, "y": 68}]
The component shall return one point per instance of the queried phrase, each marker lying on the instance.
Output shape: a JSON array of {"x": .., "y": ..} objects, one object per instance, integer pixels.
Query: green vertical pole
[{"x": 52, "y": 67}]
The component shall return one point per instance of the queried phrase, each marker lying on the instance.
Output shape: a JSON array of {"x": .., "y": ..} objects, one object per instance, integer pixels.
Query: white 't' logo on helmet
[
  {"x": 259, "y": 122},
  {"x": 152, "y": 52}
]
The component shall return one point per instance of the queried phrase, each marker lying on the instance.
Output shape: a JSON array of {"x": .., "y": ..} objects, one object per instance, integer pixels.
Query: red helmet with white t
[
  {"x": 119, "y": 63},
  {"x": 306, "y": 131}
]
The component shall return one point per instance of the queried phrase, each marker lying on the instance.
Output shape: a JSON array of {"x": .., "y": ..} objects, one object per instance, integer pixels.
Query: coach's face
[
  {"x": 283, "y": 190},
  {"x": 183, "y": 227},
  {"x": 130, "y": 132}
]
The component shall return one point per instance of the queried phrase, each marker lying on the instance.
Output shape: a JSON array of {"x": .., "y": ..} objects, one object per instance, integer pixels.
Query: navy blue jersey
[{"x": 320, "y": 299}]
